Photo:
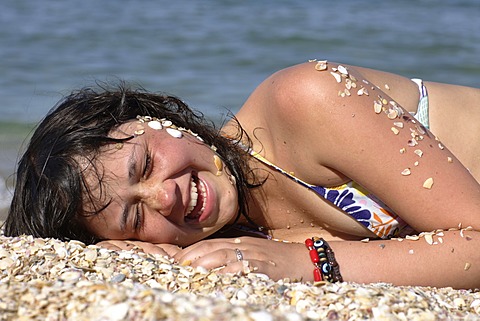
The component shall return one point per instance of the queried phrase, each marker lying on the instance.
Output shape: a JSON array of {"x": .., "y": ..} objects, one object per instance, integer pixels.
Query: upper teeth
[{"x": 194, "y": 197}]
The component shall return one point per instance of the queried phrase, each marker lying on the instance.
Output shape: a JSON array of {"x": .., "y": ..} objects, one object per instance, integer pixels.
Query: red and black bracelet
[{"x": 326, "y": 267}]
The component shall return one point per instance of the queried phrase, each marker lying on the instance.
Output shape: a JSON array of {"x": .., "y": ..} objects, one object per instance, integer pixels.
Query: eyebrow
[{"x": 132, "y": 169}]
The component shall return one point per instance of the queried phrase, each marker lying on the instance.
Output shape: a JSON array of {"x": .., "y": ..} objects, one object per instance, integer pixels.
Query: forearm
[{"x": 453, "y": 259}]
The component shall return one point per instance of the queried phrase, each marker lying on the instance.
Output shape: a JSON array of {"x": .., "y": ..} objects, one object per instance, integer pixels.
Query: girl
[{"x": 325, "y": 157}]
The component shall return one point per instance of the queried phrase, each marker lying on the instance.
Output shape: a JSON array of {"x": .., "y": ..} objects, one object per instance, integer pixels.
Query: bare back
[{"x": 454, "y": 113}]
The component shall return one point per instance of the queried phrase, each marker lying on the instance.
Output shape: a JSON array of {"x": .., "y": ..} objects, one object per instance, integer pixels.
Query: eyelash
[
  {"x": 138, "y": 221},
  {"x": 146, "y": 171},
  {"x": 148, "y": 165}
]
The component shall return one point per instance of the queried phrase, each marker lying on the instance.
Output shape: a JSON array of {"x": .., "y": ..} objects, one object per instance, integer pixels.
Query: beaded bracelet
[{"x": 323, "y": 259}]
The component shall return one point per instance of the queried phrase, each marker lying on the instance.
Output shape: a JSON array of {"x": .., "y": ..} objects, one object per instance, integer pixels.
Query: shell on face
[
  {"x": 174, "y": 132},
  {"x": 218, "y": 163},
  {"x": 140, "y": 130},
  {"x": 167, "y": 123},
  {"x": 155, "y": 124}
]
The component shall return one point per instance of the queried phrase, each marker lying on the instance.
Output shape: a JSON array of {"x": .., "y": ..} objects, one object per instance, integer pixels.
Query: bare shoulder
[
  {"x": 291, "y": 94},
  {"x": 294, "y": 93},
  {"x": 355, "y": 127},
  {"x": 281, "y": 105}
]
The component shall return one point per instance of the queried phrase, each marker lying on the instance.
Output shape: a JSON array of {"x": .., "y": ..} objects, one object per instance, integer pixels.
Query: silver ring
[{"x": 239, "y": 255}]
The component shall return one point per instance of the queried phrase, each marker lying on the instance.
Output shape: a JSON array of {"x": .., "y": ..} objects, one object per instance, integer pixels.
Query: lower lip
[{"x": 208, "y": 202}]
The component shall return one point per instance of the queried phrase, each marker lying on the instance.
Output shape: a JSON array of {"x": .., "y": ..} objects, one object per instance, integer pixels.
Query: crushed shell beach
[{"x": 46, "y": 279}]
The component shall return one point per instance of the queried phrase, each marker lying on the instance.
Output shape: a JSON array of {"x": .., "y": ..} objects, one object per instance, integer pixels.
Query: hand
[
  {"x": 127, "y": 245},
  {"x": 247, "y": 254}
]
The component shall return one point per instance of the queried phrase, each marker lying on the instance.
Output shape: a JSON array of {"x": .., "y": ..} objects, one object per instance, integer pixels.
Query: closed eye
[
  {"x": 138, "y": 218},
  {"x": 148, "y": 165},
  {"x": 145, "y": 173}
]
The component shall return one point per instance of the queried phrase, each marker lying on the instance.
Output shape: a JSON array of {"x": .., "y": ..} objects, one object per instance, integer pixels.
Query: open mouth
[{"x": 198, "y": 196}]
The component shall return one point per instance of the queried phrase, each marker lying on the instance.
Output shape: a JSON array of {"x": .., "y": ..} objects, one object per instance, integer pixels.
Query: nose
[{"x": 159, "y": 196}]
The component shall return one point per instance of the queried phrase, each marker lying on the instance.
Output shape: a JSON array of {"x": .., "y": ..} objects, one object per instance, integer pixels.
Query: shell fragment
[
  {"x": 337, "y": 77},
  {"x": 428, "y": 183},
  {"x": 321, "y": 65},
  {"x": 174, "y": 132},
  {"x": 155, "y": 124},
  {"x": 218, "y": 164},
  {"x": 342, "y": 70}
]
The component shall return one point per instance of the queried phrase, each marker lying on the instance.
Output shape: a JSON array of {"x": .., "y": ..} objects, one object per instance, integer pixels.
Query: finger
[
  {"x": 154, "y": 249},
  {"x": 109, "y": 245},
  {"x": 136, "y": 246},
  {"x": 242, "y": 267},
  {"x": 149, "y": 248},
  {"x": 218, "y": 258},
  {"x": 170, "y": 249},
  {"x": 133, "y": 245},
  {"x": 205, "y": 248}
]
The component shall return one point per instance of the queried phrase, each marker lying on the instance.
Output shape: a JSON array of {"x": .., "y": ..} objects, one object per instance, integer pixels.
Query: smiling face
[{"x": 162, "y": 186}]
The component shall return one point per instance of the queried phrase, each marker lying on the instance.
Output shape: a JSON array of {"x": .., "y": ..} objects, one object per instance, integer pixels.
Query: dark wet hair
[{"x": 51, "y": 192}]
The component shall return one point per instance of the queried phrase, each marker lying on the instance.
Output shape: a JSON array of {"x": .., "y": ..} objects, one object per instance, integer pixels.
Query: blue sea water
[{"x": 213, "y": 53}]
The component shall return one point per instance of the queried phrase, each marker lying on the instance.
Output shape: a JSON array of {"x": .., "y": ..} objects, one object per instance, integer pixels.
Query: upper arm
[{"x": 393, "y": 157}]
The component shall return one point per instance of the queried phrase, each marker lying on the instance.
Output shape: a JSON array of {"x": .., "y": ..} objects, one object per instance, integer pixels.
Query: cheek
[
  {"x": 157, "y": 229},
  {"x": 102, "y": 228},
  {"x": 161, "y": 232}
]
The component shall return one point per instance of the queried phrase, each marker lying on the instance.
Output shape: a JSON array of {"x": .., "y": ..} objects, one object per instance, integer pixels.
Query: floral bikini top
[{"x": 356, "y": 202}]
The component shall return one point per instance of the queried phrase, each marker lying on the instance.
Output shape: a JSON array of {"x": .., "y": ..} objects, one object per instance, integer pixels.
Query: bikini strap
[{"x": 265, "y": 161}]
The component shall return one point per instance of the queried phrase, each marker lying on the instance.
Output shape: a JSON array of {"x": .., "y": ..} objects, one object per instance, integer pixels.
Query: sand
[{"x": 46, "y": 279}]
